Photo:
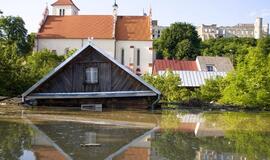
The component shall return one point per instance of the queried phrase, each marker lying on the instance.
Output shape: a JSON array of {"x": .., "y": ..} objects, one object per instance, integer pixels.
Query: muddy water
[{"x": 127, "y": 134}]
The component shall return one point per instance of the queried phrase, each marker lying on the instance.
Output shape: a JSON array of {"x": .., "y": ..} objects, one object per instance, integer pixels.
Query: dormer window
[{"x": 210, "y": 68}]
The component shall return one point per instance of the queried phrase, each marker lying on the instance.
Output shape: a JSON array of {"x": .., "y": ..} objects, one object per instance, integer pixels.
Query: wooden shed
[{"x": 91, "y": 76}]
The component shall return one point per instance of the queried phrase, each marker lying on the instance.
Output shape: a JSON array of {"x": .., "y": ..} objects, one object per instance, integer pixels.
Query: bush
[{"x": 168, "y": 85}]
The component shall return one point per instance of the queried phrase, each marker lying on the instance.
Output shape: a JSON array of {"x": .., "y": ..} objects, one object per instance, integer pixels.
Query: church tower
[{"x": 64, "y": 8}]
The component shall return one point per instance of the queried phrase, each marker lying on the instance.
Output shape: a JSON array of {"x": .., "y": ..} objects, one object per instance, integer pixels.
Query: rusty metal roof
[{"x": 174, "y": 65}]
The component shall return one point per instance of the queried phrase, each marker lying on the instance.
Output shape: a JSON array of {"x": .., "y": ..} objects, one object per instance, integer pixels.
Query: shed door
[{"x": 79, "y": 77}]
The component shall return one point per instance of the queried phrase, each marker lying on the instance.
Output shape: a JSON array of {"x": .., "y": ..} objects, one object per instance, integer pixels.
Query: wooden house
[{"x": 91, "y": 77}]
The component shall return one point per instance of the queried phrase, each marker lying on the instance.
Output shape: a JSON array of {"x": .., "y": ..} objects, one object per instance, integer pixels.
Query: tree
[
  {"x": 211, "y": 91},
  {"x": 179, "y": 41},
  {"x": 235, "y": 48},
  {"x": 12, "y": 30},
  {"x": 249, "y": 83}
]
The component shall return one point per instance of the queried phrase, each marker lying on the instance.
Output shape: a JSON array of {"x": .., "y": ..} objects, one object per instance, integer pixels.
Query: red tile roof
[
  {"x": 174, "y": 65},
  {"x": 64, "y": 2},
  {"x": 133, "y": 28},
  {"x": 77, "y": 27}
]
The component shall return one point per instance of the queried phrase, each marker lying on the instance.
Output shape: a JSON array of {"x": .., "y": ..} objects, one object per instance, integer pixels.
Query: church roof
[
  {"x": 77, "y": 27},
  {"x": 64, "y": 2},
  {"x": 96, "y": 26},
  {"x": 133, "y": 28}
]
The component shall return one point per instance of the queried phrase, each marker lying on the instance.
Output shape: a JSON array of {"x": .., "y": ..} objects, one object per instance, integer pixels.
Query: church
[{"x": 127, "y": 39}]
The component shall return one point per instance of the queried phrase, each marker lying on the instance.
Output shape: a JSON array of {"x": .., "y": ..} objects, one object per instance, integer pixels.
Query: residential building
[
  {"x": 195, "y": 73},
  {"x": 256, "y": 30},
  {"x": 157, "y": 29},
  {"x": 128, "y": 39},
  {"x": 91, "y": 77}
]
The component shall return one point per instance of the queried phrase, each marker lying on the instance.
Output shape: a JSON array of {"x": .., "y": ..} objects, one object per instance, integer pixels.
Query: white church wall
[
  {"x": 130, "y": 54},
  {"x": 60, "y": 46}
]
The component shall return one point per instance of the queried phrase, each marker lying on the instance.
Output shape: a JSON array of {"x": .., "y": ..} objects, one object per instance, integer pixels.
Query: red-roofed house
[
  {"x": 174, "y": 65},
  {"x": 128, "y": 39}
]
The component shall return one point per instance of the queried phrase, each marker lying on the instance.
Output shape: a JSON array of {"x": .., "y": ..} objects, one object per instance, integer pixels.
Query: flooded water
[{"x": 134, "y": 135}]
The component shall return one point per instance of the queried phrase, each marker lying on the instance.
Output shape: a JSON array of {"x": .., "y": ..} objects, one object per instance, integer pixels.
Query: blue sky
[{"x": 221, "y": 12}]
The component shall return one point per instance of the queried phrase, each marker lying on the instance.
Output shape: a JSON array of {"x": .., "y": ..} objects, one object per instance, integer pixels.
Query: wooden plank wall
[{"x": 72, "y": 77}]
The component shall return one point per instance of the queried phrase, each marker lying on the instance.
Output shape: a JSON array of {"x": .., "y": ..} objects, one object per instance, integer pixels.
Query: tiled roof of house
[
  {"x": 222, "y": 64},
  {"x": 133, "y": 28},
  {"x": 64, "y": 2},
  {"x": 174, "y": 65},
  {"x": 97, "y": 26},
  {"x": 77, "y": 27}
]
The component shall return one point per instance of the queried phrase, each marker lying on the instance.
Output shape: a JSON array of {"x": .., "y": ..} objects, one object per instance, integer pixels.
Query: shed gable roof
[{"x": 63, "y": 64}]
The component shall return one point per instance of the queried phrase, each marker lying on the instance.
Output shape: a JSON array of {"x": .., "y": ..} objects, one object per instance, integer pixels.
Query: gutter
[{"x": 156, "y": 101}]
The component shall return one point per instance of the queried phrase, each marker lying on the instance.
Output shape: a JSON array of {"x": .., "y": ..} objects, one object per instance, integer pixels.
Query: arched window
[
  {"x": 123, "y": 56},
  {"x": 138, "y": 57}
]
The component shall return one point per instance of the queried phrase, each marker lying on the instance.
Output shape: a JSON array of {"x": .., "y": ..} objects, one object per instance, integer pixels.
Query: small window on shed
[{"x": 91, "y": 75}]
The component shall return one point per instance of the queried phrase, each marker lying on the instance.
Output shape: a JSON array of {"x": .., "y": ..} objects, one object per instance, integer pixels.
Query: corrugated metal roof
[
  {"x": 195, "y": 78},
  {"x": 180, "y": 65}
]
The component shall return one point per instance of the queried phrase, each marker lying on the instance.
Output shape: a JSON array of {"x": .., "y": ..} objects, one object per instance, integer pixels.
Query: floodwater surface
[{"x": 128, "y": 135}]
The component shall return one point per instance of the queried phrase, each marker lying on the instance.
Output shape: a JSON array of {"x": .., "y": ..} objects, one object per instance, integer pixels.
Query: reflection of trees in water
[
  {"x": 15, "y": 138},
  {"x": 249, "y": 132},
  {"x": 175, "y": 145},
  {"x": 245, "y": 134}
]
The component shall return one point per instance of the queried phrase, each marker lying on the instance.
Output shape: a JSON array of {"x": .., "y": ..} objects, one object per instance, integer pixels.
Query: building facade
[
  {"x": 128, "y": 39},
  {"x": 194, "y": 74},
  {"x": 256, "y": 30},
  {"x": 157, "y": 29}
]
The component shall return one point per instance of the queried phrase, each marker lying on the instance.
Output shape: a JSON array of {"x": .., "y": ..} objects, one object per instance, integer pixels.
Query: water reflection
[
  {"x": 15, "y": 139},
  {"x": 221, "y": 135},
  {"x": 218, "y": 136}
]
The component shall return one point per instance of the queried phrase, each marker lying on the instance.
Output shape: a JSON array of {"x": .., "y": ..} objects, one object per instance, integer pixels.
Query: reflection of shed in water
[
  {"x": 43, "y": 148},
  {"x": 91, "y": 76}
]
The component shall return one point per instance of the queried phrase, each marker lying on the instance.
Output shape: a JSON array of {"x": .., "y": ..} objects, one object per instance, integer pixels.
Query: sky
[{"x": 196, "y": 12}]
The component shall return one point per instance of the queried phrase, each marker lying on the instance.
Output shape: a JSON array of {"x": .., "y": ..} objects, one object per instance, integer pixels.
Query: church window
[
  {"x": 123, "y": 56},
  {"x": 138, "y": 57}
]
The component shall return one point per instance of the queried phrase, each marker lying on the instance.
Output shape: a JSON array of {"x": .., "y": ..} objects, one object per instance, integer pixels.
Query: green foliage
[
  {"x": 235, "y": 48},
  {"x": 168, "y": 85},
  {"x": 70, "y": 52},
  {"x": 211, "y": 91},
  {"x": 40, "y": 63},
  {"x": 179, "y": 41},
  {"x": 18, "y": 73},
  {"x": 12, "y": 31},
  {"x": 248, "y": 85}
]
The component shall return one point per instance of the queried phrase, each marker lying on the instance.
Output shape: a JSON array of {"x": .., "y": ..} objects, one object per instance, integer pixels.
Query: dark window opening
[
  {"x": 123, "y": 56},
  {"x": 138, "y": 57}
]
